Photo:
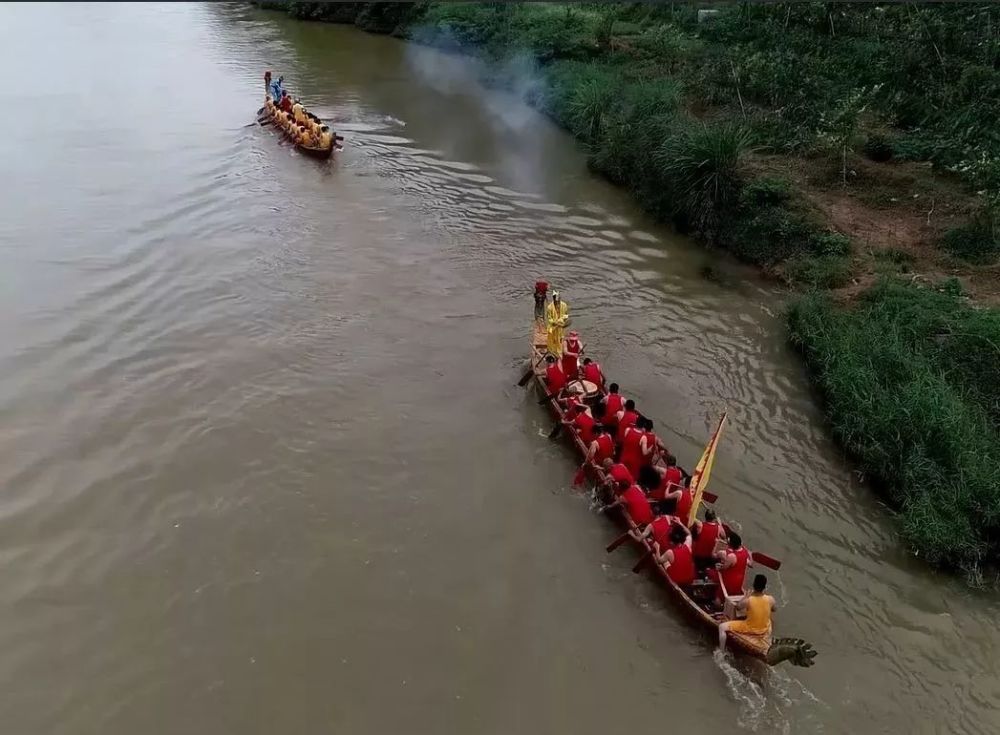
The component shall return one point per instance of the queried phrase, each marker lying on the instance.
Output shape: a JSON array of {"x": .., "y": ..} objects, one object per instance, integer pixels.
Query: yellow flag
[{"x": 699, "y": 479}]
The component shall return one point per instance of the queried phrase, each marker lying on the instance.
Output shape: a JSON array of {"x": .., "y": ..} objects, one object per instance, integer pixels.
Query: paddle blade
[
  {"x": 525, "y": 378},
  {"x": 555, "y": 430},
  {"x": 580, "y": 476},
  {"x": 709, "y": 497},
  {"x": 646, "y": 558},
  {"x": 617, "y": 542},
  {"x": 766, "y": 561},
  {"x": 547, "y": 398}
]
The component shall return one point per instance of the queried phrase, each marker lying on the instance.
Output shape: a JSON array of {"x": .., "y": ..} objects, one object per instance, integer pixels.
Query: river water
[{"x": 263, "y": 464}]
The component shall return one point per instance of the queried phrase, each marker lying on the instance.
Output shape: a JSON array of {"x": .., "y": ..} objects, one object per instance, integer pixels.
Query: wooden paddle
[
  {"x": 617, "y": 542},
  {"x": 555, "y": 430},
  {"x": 766, "y": 561}
]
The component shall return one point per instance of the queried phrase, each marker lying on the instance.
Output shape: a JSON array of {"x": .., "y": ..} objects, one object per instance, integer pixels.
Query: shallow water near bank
[{"x": 263, "y": 463}]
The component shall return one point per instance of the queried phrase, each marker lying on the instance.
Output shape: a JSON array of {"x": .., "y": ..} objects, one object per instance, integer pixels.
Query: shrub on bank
[{"x": 911, "y": 385}]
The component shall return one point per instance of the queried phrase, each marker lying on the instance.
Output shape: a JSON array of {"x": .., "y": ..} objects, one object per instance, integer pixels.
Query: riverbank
[{"x": 869, "y": 174}]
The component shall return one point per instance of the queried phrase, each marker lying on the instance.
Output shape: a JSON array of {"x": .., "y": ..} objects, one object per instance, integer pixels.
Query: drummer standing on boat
[
  {"x": 571, "y": 355},
  {"x": 556, "y": 320}
]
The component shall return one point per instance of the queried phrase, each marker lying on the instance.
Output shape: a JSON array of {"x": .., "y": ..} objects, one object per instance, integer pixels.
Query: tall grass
[{"x": 910, "y": 380}]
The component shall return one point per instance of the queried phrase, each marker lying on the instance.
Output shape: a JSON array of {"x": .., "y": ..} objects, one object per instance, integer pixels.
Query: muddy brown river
[{"x": 263, "y": 466}]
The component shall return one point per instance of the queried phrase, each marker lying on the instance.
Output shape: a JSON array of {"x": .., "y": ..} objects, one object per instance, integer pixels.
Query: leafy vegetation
[
  {"x": 679, "y": 111},
  {"x": 911, "y": 378}
]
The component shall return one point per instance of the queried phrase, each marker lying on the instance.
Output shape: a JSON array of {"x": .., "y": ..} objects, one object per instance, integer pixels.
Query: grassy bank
[
  {"x": 839, "y": 147},
  {"x": 911, "y": 379}
]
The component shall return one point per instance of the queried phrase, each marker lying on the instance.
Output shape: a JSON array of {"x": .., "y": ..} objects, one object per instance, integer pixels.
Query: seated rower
[
  {"x": 669, "y": 485},
  {"x": 613, "y": 403},
  {"x": 731, "y": 567},
  {"x": 602, "y": 448},
  {"x": 705, "y": 534},
  {"x": 592, "y": 371},
  {"x": 626, "y": 418},
  {"x": 652, "y": 447},
  {"x": 571, "y": 355},
  {"x": 555, "y": 378},
  {"x": 303, "y": 135},
  {"x": 584, "y": 420},
  {"x": 618, "y": 475},
  {"x": 632, "y": 447},
  {"x": 758, "y": 608},
  {"x": 677, "y": 558},
  {"x": 289, "y": 124},
  {"x": 325, "y": 137},
  {"x": 659, "y": 530},
  {"x": 635, "y": 503},
  {"x": 297, "y": 113},
  {"x": 286, "y": 102}
]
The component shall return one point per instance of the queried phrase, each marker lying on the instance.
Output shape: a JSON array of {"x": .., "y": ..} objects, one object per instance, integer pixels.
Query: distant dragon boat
[
  {"x": 698, "y": 599},
  {"x": 264, "y": 117}
]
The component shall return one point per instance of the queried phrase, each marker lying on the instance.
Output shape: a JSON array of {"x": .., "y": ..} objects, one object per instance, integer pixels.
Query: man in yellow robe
[{"x": 556, "y": 319}]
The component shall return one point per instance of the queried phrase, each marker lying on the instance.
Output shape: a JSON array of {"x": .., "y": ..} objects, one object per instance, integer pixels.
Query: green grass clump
[
  {"x": 976, "y": 241},
  {"x": 911, "y": 378},
  {"x": 818, "y": 271}
]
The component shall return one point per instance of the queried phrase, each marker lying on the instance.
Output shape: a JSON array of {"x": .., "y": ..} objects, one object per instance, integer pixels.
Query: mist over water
[{"x": 263, "y": 465}]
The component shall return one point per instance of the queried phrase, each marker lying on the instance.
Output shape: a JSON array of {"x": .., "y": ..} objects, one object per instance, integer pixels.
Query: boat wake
[{"x": 769, "y": 699}]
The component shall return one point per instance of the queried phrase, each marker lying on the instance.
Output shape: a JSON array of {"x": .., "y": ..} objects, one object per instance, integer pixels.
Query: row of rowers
[
  {"x": 300, "y": 125},
  {"x": 644, "y": 476}
]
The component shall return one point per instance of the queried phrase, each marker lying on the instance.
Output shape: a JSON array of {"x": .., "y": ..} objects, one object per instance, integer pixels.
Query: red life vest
[
  {"x": 681, "y": 569},
  {"x": 704, "y": 545},
  {"x": 612, "y": 405},
  {"x": 637, "y": 506},
  {"x": 570, "y": 356},
  {"x": 605, "y": 449},
  {"x": 592, "y": 372},
  {"x": 619, "y": 473},
  {"x": 734, "y": 576},
  {"x": 628, "y": 419},
  {"x": 631, "y": 451},
  {"x": 661, "y": 531},
  {"x": 555, "y": 378},
  {"x": 585, "y": 424}
]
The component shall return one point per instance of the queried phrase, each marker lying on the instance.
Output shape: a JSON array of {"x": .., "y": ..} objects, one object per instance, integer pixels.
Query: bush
[
  {"x": 975, "y": 242},
  {"x": 830, "y": 244},
  {"x": 766, "y": 191},
  {"x": 916, "y": 410},
  {"x": 702, "y": 165}
]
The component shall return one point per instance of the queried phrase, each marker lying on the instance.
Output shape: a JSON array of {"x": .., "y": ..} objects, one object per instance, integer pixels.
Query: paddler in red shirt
[
  {"x": 618, "y": 475},
  {"x": 584, "y": 421},
  {"x": 592, "y": 371},
  {"x": 555, "y": 378},
  {"x": 613, "y": 403},
  {"x": 571, "y": 355},
  {"x": 602, "y": 448},
  {"x": 678, "y": 559},
  {"x": 631, "y": 446},
  {"x": 626, "y": 418},
  {"x": 705, "y": 534},
  {"x": 635, "y": 503},
  {"x": 670, "y": 484},
  {"x": 650, "y": 445},
  {"x": 659, "y": 529},
  {"x": 732, "y": 566}
]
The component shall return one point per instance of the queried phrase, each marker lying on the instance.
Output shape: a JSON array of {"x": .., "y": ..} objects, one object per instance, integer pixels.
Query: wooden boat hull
[
  {"x": 319, "y": 153},
  {"x": 756, "y": 646}
]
